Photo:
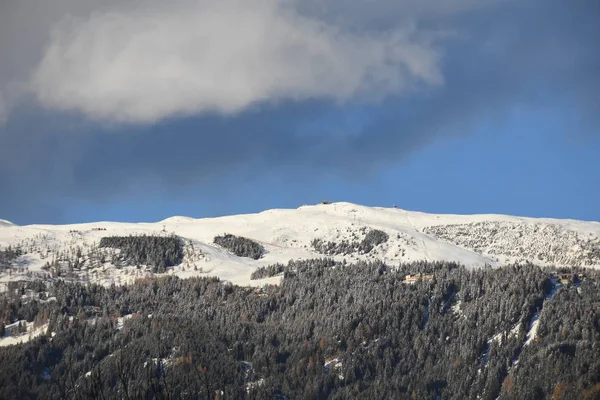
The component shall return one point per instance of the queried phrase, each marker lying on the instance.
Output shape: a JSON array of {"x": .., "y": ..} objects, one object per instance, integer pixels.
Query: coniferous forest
[
  {"x": 240, "y": 246},
  {"x": 159, "y": 252},
  {"x": 329, "y": 330}
]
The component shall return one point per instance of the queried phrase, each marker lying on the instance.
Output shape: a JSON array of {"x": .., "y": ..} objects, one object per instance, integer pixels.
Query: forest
[
  {"x": 159, "y": 252},
  {"x": 372, "y": 238},
  {"x": 7, "y": 255},
  {"x": 329, "y": 330},
  {"x": 240, "y": 246}
]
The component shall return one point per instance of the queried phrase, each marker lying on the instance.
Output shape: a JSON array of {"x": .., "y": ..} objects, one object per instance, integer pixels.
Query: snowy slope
[{"x": 474, "y": 240}]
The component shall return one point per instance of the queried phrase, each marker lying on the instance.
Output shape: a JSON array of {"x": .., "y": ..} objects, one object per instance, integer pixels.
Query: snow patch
[
  {"x": 456, "y": 310},
  {"x": 533, "y": 328},
  {"x": 121, "y": 320},
  {"x": 11, "y": 337},
  {"x": 253, "y": 385},
  {"x": 335, "y": 365}
]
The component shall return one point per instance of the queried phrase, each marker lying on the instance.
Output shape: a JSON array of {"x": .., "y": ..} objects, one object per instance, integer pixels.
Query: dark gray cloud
[{"x": 528, "y": 55}]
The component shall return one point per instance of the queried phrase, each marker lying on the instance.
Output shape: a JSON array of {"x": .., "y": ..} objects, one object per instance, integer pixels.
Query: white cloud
[{"x": 141, "y": 64}]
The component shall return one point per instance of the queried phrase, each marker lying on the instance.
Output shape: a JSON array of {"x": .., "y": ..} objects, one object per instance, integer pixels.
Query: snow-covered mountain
[{"x": 287, "y": 234}]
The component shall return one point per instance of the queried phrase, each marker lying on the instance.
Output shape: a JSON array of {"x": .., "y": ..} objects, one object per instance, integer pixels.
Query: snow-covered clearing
[
  {"x": 533, "y": 328},
  {"x": 12, "y": 337}
]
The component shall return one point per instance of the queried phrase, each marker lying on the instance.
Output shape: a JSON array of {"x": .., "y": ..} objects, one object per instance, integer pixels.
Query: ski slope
[{"x": 286, "y": 234}]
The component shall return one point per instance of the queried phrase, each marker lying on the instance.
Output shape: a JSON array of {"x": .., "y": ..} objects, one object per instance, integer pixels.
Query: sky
[{"x": 138, "y": 110}]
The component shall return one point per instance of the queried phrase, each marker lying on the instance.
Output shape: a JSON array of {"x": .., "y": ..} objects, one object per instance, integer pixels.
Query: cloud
[
  {"x": 3, "y": 110},
  {"x": 24, "y": 31},
  {"x": 147, "y": 62},
  {"x": 518, "y": 55}
]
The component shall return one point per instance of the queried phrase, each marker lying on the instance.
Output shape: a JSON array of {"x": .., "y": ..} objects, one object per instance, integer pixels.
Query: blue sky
[{"x": 134, "y": 113}]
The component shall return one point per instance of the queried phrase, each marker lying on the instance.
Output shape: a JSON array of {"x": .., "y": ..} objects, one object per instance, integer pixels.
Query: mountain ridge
[{"x": 311, "y": 231}]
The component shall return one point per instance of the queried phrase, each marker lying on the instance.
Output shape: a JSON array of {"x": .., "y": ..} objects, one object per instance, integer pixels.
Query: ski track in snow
[{"x": 420, "y": 235}]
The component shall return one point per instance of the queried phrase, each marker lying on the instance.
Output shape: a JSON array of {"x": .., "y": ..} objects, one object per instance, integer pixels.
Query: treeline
[
  {"x": 267, "y": 271},
  {"x": 159, "y": 252},
  {"x": 328, "y": 331},
  {"x": 240, "y": 246},
  {"x": 291, "y": 268},
  {"x": 373, "y": 237}
]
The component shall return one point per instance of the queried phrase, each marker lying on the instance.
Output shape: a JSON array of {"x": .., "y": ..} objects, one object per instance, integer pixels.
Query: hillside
[
  {"x": 368, "y": 303},
  {"x": 4, "y": 222},
  {"x": 328, "y": 330},
  {"x": 334, "y": 230}
]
